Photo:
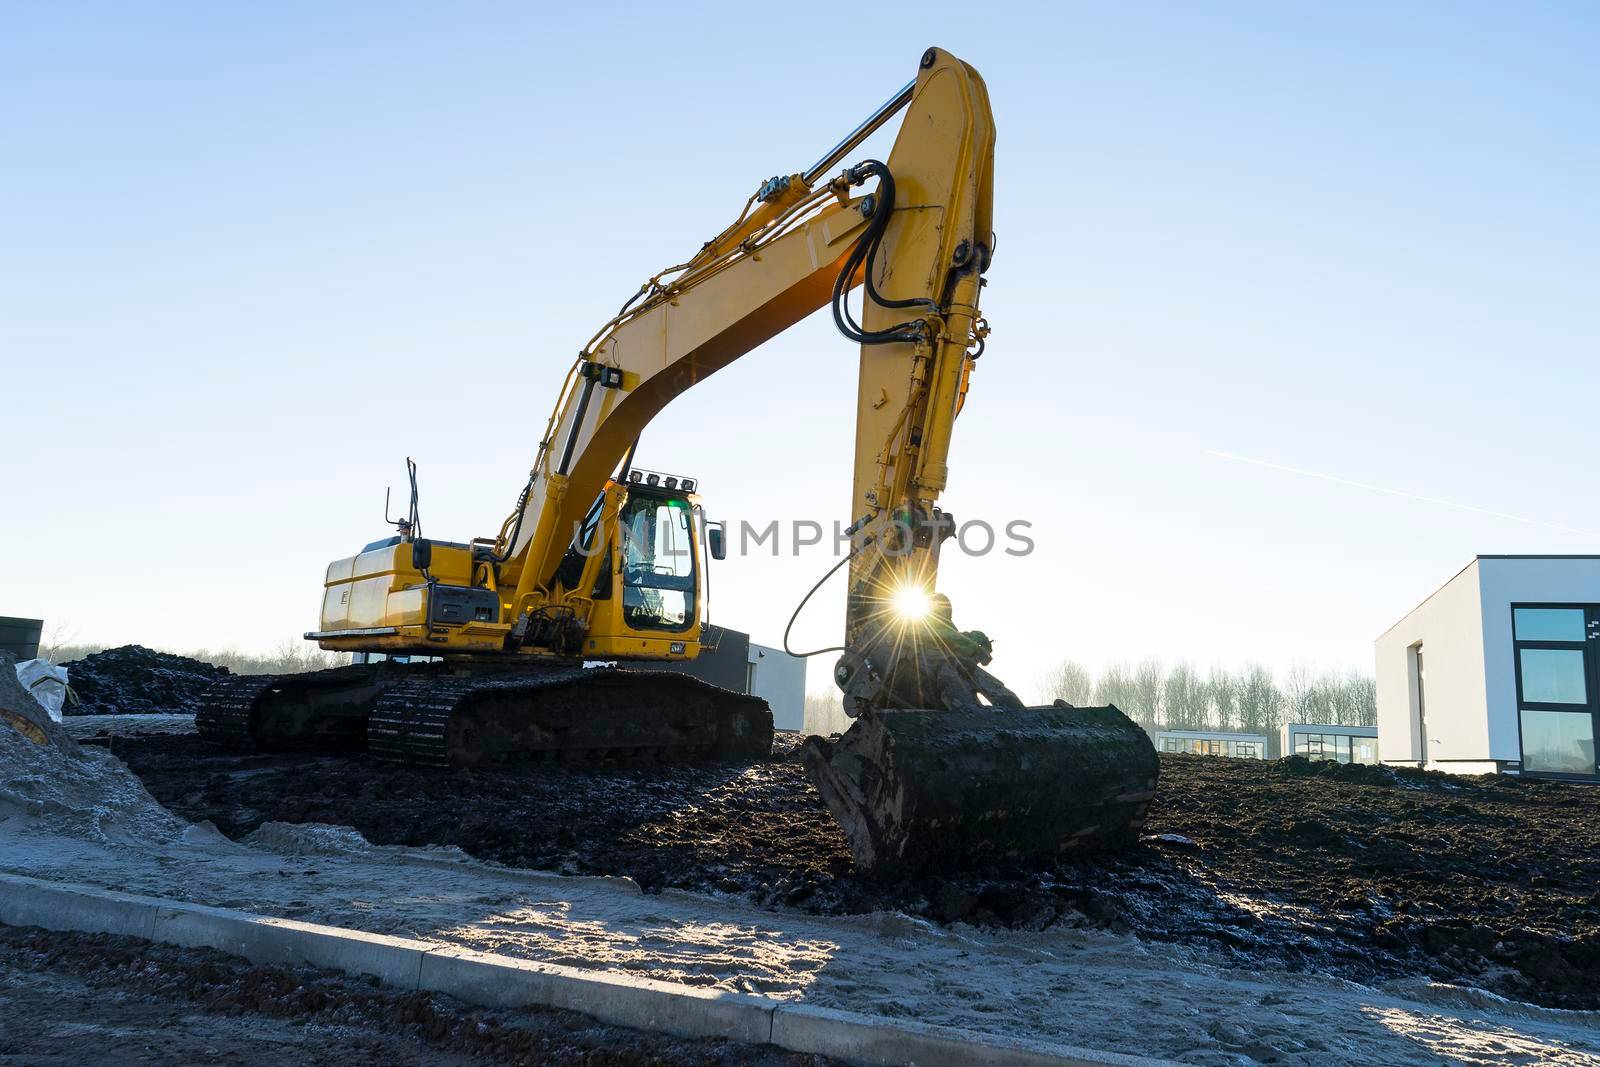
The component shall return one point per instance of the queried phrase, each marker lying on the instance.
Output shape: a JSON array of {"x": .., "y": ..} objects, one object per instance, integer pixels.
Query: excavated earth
[
  {"x": 1361, "y": 872},
  {"x": 134, "y": 680},
  {"x": 92, "y": 999}
]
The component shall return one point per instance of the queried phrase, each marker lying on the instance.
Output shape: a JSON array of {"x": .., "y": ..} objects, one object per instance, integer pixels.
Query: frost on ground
[
  {"x": 89, "y": 999},
  {"x": 1074, "y": 987},
  {"x": 1363, "y": 873},
  {"x": 103, "y": 727},
  {"x": 79, "y": 816}
]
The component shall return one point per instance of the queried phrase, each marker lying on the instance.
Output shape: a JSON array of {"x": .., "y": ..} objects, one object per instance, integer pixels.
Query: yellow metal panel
[
  {"x": 335, "y": 607},
  {"x": 641, "y": 647},
  {"x": 369, "y": 599},
  {"x": 405, "y": 607}
]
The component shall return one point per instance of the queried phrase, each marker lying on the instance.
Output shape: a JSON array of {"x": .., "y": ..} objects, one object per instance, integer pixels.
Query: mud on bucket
[{"x": 915, "y": 788}]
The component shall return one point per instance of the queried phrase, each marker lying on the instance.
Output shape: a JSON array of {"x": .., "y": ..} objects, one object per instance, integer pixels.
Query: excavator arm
[{"x": 915, "y": 233}]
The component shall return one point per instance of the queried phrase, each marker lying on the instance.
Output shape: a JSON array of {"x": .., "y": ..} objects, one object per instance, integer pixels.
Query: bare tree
[
  {"x": 1115, "y": 687},
  {"x": 1356, "y": 700},
  {"x": 1072, "y": 682},
  {"x": 1145, "y": 692},
  {"x": 1260, "y": 702},
  {"x": 1184, "y": 699},
  {"x": 1298, "y": 693},
  {"x": 824, "y": 712},
  {"x": 1223, "y": 690},
  {"x": 60, "y": 643}
]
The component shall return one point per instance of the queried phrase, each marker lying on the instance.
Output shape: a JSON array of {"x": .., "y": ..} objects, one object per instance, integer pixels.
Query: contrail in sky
[{"x": 1395, "y": 492}]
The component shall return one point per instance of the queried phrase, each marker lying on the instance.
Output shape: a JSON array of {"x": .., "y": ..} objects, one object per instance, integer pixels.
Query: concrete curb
[{"x": 503, "y": 982}]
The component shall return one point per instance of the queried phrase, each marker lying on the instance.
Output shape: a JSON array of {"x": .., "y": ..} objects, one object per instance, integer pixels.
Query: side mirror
[
  {"x": 421, "y": 555},
  {"x": 714, "y": 538}
]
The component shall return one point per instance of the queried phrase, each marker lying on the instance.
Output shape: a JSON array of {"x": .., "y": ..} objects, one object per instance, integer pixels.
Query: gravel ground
[
  {"x": 92, "y": 999},
  {"x": 1364, "y": 873}
]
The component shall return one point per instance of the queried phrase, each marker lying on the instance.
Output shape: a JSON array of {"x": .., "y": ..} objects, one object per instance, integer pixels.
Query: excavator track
[
  {"x": 435, "y": 715},
  {"x": 322, "y": 711},
  {"x": 573, "y": 715},
  {"x": 226, "y": 715}
]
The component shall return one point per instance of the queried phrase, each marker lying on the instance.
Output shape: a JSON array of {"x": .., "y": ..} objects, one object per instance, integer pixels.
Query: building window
[
  {"x": 1554, "y": 676},
  {"x": 1314, "y": 746},
  {"x": 1214, "y": 746},
  {"x": 1556, "y": 667},
  {"x": 1549, "y": 624},
  {"x": 1557, "y": 742}
]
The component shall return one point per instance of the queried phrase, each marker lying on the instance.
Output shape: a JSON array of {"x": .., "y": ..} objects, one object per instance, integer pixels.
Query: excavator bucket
[{"x": 915, "y": 788}]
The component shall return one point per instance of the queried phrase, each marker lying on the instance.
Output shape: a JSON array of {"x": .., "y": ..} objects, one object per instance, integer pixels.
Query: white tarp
[{"x": 47, "y": 683}]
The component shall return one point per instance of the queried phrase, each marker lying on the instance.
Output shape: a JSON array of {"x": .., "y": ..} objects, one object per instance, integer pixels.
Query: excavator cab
[{"x": 648, "y": 584}]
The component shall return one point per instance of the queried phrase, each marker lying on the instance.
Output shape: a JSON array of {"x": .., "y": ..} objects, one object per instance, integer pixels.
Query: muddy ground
[
  {"x": 1365, "y": 873},
  {"x": 93, "y": 999}
]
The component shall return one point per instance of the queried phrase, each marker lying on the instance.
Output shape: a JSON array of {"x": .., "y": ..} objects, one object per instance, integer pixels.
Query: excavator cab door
[{"x": 649, "y": 598}]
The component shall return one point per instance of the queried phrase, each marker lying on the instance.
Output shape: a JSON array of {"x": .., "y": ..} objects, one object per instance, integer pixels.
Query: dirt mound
[
  {"x": 82, "y": 790},
  {"x": 134, "y": 680},
  {"x": 1354, "y": 773}
]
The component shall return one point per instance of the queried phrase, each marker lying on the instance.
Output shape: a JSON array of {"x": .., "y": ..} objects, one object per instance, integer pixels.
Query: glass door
[{"x": 1557, "y": 691}]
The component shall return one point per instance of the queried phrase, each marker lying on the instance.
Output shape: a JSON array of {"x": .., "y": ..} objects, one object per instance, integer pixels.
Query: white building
[
  {"x": 1497, "y": 671},
  {"x": 780, "y": 680},
  {"x": 1212, "y": 743}
]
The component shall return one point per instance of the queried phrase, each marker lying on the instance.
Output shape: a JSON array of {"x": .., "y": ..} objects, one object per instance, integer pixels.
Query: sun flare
[{"x": 911, "y": 603}]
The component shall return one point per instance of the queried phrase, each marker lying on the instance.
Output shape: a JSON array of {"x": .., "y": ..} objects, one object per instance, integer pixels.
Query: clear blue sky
[{"x": 254, "y": 255}]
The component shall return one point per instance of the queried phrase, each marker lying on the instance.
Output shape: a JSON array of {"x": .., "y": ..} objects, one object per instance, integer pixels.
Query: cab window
[{"x": 658, "y": 564}]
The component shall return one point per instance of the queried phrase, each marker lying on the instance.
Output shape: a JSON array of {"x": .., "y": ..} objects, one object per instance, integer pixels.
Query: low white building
[
  {"x": 1321, "y": 741},
  {"x": 1213, "y": 743},
  {"x": 1497, "y": 671}
]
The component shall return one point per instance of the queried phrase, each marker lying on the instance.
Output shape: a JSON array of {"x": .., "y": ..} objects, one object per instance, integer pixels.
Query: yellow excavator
[{"x": 486, "y": 650}]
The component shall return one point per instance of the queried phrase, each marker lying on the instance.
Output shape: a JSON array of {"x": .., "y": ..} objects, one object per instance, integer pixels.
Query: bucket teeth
[{"x": 915, "y": 788}]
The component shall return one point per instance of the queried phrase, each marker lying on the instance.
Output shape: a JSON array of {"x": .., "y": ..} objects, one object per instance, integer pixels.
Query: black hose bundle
[{"x": 865, "y": 254}]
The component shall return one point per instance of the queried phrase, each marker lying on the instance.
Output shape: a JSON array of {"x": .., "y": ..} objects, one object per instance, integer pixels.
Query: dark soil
[
  {"x": 133, "y": 680},
  {"x": 94, "y": 999},
  {"x": 1363, "y": 872}
]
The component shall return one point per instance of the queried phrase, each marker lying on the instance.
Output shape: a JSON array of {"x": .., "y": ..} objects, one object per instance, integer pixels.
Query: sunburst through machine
[{"x": 602, "y": 560}]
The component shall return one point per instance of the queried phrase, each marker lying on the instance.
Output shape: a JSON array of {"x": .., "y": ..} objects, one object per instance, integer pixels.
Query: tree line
[{"x": 1246, "y": 700}]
